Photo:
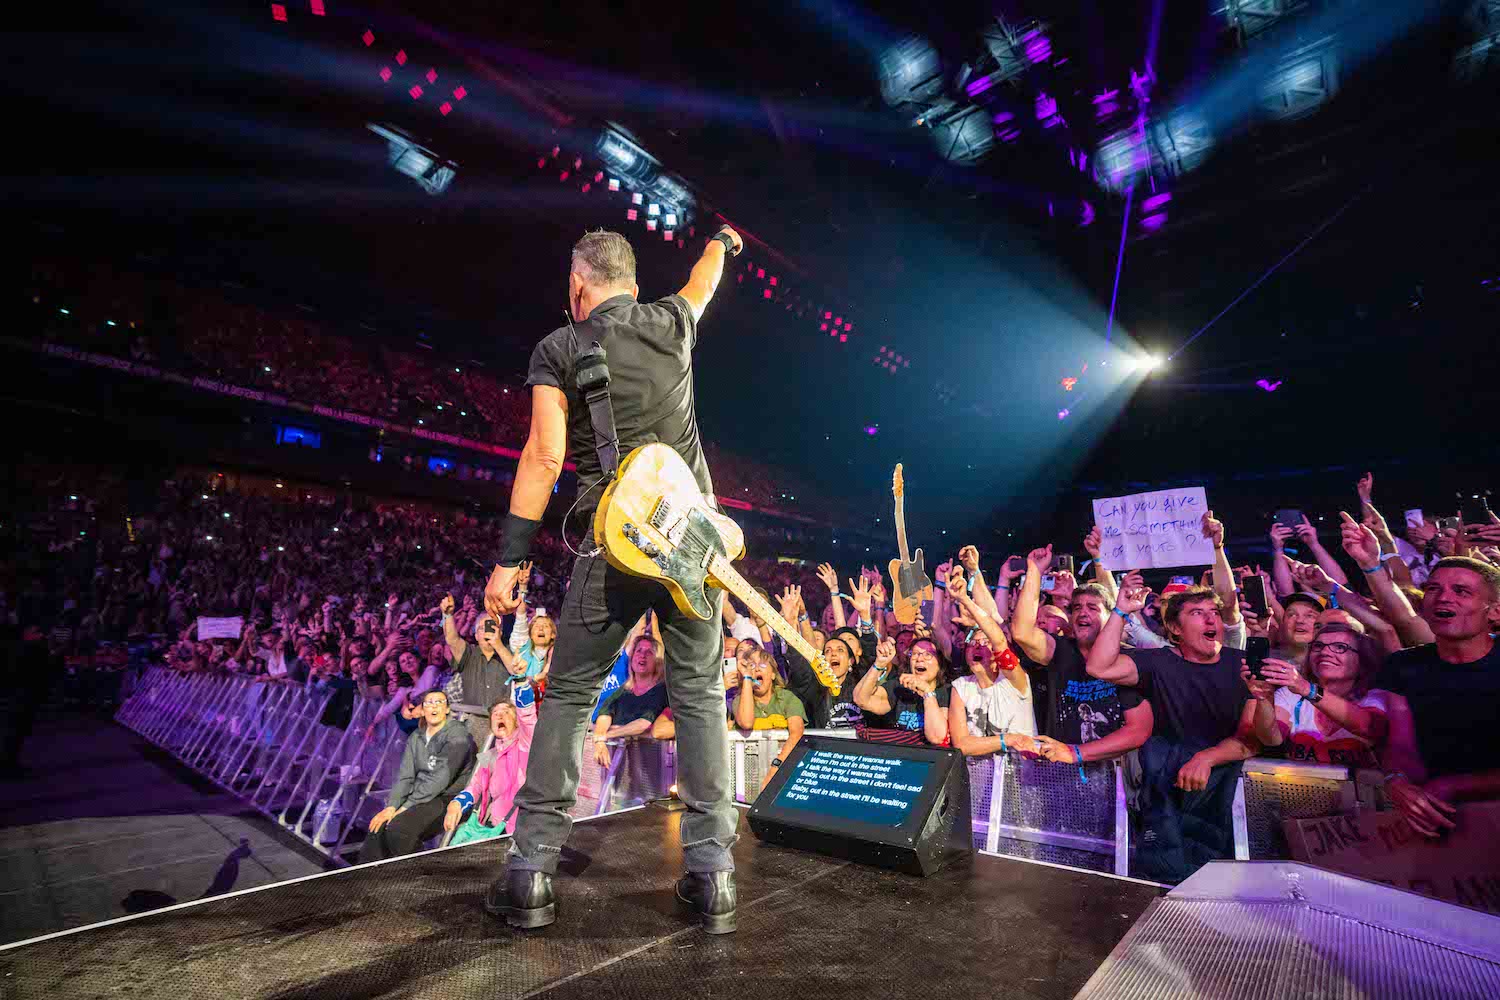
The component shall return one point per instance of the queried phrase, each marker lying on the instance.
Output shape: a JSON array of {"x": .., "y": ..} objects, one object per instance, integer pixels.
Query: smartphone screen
[
  {"x": 1447, "y": 524},
  {"x": 1414, "y": 517},
  {"x": 1257, "y": 648},
  {"x": 1016, "y": 564},
  {"x": 1255, "y": 595},
  {"x": 1048, "y": 582},
  {"x": 1290, "y": 518}
]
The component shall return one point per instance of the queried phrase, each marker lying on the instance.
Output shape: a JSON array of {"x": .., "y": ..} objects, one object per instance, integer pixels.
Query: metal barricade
[
  {"x": 1272, "y": 790},
  {"x": 267, "y": 743},
  {"x": 1047, "y": 812},
  {"x": 640, "y": 770}
]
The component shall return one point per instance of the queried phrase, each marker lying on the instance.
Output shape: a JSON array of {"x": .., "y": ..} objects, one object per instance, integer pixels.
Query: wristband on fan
[
  {"x": 1078, "y": 759},
  {"x": 1007, "y": 659},
  {"x": 463, "y": 800},
  {"x": 515, "y": 540},
  {"x": 1373, "y": 569}
]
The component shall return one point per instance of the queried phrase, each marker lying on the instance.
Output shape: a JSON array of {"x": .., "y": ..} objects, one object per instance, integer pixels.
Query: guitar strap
[{"x": 592, "y": 378}]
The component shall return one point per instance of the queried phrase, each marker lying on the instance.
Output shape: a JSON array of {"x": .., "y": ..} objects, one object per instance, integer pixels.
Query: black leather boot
[
  {"x": 712, "y": 895},
  {"x": 523, "y": 899}
]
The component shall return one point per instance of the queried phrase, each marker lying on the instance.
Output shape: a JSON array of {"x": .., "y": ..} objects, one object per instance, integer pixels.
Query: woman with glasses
[{"x": 1326, "y": 711}]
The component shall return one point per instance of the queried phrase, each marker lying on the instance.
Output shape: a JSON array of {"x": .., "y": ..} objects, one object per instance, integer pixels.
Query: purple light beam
[
  {"x": 1268, "y": 272},
  {"x": 1119, "y": 263}
]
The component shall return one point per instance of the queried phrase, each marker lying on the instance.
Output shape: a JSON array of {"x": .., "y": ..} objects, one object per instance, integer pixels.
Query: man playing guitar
[{"x": 650, "y": 352}]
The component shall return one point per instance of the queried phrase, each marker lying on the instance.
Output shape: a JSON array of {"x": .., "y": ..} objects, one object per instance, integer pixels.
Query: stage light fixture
[
  {"x": 406, "y": 156},
  {"x": 278, "y": 11},
  {"x": 614, "y": 184},
  {"x": 653, "y": 209},
  {"x": 401, "y": 57},
  {"x": 368, "y": 38},
  {"x": 316, "y": 6},
  {"x": 670, "y": 219}
]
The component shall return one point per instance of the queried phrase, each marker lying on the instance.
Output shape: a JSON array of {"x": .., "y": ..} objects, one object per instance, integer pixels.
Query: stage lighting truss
[
  {"x": 911, "y": 74},
  {"x": 407, "y": 156},
  {"x": 1250, "y": 18},
  {"x": 1009, "y": 51},
  {"x": 1481, "y": 50},
  {"x": 1169, "y": 147},
  {"x": 963, "y": 134},
  {"x": 913, "y": 81},
  {"x": 623, "y": 157},
  {"x": 1304, "y": 80}
]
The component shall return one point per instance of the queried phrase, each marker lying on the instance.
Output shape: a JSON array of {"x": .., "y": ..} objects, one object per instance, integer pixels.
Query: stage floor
[{"x": 809, "y": 926}]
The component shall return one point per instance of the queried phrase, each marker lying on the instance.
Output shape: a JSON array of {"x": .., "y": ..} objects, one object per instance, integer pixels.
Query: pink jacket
[{"x": 502, "y": 771}]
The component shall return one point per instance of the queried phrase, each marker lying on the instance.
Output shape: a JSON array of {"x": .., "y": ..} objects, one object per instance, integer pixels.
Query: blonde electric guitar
[{"x": 653, "y": 522}]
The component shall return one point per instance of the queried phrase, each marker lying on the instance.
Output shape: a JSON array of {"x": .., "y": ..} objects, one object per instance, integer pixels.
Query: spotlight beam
[
  {"x": 1272, "y": 270},
  {"x": 1109, "y": 328}
]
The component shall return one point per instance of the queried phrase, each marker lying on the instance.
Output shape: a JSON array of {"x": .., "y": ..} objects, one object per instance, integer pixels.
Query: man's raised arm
[{"x": 704, "y": 280}]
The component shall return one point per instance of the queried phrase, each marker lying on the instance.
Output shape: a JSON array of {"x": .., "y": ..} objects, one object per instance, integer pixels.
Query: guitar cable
[{"x": 568, "y": 315}]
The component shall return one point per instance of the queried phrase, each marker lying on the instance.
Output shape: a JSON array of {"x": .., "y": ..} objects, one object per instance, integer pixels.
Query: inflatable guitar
[{"x": 910, "y": 584}]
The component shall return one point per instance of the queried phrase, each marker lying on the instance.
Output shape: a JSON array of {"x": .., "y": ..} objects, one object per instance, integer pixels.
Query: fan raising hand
[{"x": 860, "y": 597}]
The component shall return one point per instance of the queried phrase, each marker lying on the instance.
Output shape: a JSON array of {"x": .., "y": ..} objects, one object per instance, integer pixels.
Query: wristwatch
[
  {"x": 776, "y": 762},
  {"x": 728, "y": 242}
]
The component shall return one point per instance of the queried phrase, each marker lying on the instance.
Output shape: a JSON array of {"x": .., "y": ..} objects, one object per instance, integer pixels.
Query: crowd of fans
[
  {"x": 1374, "y": 650},
  {"x": 102, "y": 308}
]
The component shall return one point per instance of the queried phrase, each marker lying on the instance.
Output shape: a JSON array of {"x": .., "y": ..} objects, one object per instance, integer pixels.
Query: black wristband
[
  {"x": 728, "y": 242},
  {"x": 515, "y": 539}
]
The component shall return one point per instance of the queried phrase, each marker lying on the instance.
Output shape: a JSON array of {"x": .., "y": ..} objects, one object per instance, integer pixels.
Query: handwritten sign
[
  {"x": 1153, "y": 530},
  {"x": 220, "y": 628},
  {"x": 1461, "y": 867}
]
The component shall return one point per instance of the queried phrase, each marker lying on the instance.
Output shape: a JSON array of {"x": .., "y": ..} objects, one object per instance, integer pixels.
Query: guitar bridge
[
  {"x": 646, "y": 545},
  {"x": 659, "y": 514}
]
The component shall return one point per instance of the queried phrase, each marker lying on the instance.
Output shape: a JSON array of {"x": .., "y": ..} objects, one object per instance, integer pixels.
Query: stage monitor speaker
[{"x": 898, "y": 807}]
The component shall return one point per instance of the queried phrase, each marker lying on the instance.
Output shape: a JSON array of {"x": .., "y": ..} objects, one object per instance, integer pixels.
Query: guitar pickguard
[{"x": 695, "y": 541}]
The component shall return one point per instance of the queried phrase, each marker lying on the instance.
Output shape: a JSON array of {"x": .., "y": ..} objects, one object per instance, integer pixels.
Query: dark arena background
[{"x": 1178, "y": 318}]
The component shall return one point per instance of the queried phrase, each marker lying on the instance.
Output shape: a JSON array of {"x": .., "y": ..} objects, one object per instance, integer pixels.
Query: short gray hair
[{"x": 604, "y": 259}]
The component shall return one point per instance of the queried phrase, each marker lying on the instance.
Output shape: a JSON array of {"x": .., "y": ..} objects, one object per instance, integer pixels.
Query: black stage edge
[{"x": 809, "y": 926}]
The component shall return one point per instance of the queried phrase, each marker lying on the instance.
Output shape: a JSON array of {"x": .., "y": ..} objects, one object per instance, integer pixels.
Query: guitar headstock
[
  {"x": 825, "y": 674},
  {"x": 898, "y": 483}
]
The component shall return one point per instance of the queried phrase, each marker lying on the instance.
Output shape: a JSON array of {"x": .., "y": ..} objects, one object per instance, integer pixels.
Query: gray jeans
[{"x": 600, "y": 608}]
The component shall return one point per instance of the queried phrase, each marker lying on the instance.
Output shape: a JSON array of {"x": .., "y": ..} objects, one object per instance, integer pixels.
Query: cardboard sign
[
  {"x": 1460, "y": 867},
  {"x": 220, "y": 628},
  {"x": 1153, "y": 530}
]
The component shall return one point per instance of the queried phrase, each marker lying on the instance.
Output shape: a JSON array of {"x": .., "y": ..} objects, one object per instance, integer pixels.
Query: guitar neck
[
  {"x": 901, "y": 529},
  {"x": 737, "y": 585}
]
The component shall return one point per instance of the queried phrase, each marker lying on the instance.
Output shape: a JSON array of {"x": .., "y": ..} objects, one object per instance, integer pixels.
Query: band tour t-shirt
[
  {"x": 1077, "y": 708},
  {"x": 649, "y": 349}
]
